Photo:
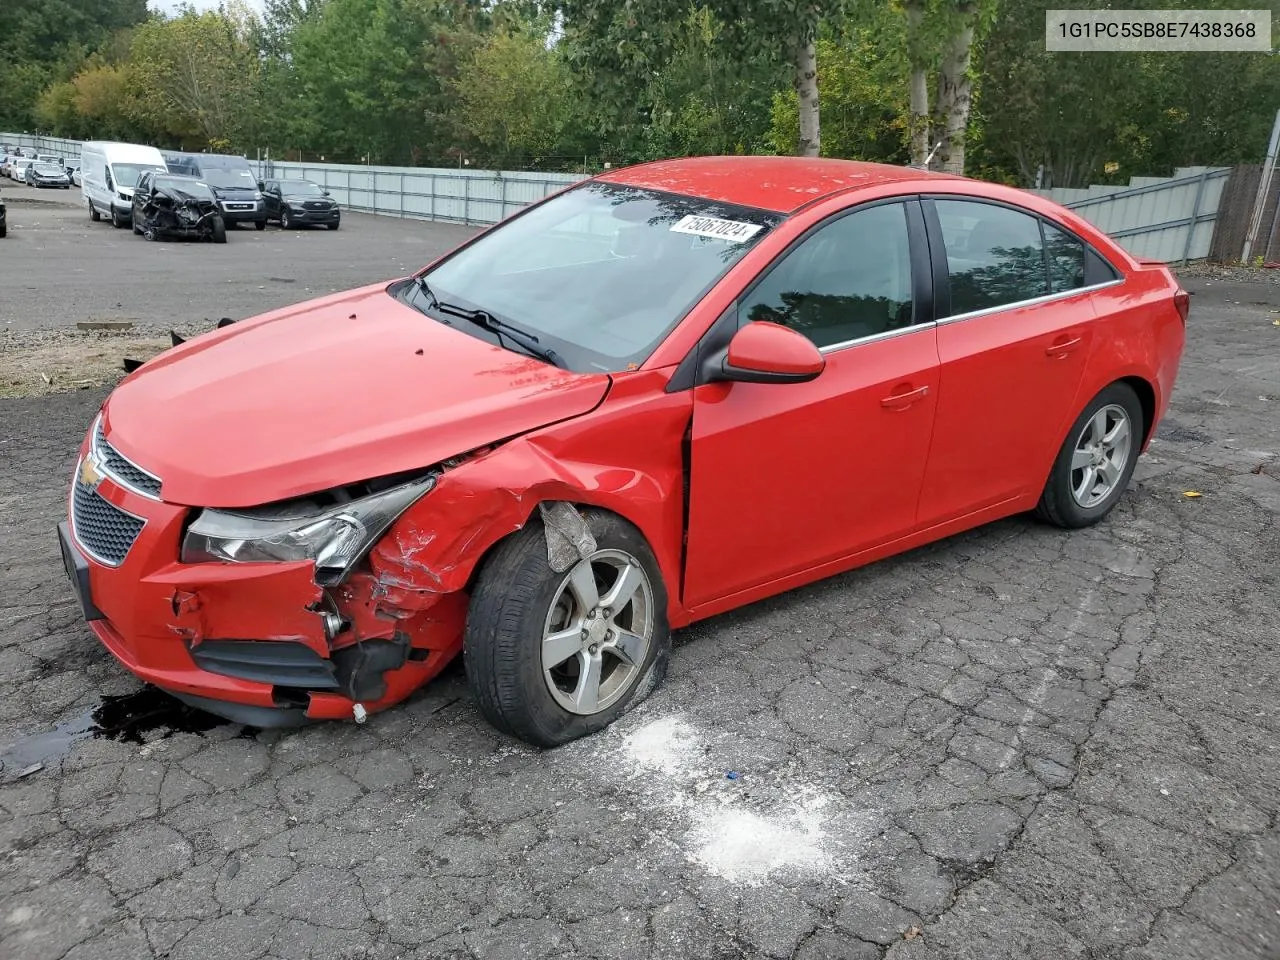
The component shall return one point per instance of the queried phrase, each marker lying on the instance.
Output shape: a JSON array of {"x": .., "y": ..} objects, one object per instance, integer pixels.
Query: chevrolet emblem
[{"x": 90, "y": 475}]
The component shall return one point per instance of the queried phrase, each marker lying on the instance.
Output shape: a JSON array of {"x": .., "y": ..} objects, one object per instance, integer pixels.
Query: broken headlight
[{"x": 334, "y": 536}]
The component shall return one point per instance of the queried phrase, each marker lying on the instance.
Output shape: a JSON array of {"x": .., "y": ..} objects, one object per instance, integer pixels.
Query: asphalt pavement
[{"x": 1017, "y": 743}]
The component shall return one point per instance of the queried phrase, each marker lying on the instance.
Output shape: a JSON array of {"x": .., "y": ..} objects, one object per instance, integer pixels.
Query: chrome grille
[
  {"x": 102, "y": 528},
  {"x": 121, "y": 468}
]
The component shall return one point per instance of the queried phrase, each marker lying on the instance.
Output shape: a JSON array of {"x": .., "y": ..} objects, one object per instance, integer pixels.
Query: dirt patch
[{"x": 70, "y": 362}]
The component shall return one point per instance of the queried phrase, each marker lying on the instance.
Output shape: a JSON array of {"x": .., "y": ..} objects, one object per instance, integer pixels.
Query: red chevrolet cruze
[{"x": 658, "y": 395}]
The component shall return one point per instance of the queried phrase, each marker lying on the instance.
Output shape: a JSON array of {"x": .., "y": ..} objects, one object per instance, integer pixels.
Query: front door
[
  {"x": 786, "y": 477},
  {"x": 1010, "y": 368}
]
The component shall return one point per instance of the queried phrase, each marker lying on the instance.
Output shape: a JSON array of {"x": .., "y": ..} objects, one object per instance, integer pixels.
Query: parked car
[
  {"x": 165, "y": 205},
  {"x": 232, "y": 180},
  {"x": 73, "y": 170},
  {"x": 18, "y": 168},
  {"x": 4, "y": 221},
  {"x": 109, "y": 172},
  {"x": 48, "y": 158},
  {"x": 42, "y": 174},
  {"x": 655, "y": 396},
  {"x": 5, "y": 160},
  {"x": 300, "y": 203}
]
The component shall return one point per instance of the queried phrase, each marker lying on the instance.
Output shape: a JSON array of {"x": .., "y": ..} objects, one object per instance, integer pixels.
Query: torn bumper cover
[{"x": 260, "y": 643}]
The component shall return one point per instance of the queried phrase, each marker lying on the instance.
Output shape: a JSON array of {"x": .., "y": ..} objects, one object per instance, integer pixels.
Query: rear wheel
[
  {"x": 553, "y": 656},
  {"x": 219, "y": 230},
  {"x": 1096, "y": 461}
]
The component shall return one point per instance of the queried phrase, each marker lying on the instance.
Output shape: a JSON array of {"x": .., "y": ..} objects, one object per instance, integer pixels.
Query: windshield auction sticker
[
  {"x": 732, "y": 230},
  {"x": 1168, "y": 31}
]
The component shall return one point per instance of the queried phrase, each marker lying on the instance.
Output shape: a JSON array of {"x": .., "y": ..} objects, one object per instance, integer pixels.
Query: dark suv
[
  {"x": 300, "y": 203},
  {"x": 232, "y": 181}
]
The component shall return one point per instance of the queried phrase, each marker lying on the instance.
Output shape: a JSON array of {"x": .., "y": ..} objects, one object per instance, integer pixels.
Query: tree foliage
[{"x": 577, "y": 83}]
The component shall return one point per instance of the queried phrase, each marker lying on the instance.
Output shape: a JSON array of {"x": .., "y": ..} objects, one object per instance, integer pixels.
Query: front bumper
[
  {"x": 258, "y": 643},
  {"x": 241, "y": 211},
  {"x": 315, "y": 216}
]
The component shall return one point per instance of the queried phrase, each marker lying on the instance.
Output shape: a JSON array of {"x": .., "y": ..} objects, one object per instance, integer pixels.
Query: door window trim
[{"x": 941, "y": 269}]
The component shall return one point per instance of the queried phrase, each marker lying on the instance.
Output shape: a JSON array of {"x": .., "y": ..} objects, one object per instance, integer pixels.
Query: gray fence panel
[
  {"x": 1166, "y": 219},
  {"x": 1169, "y": 219}
]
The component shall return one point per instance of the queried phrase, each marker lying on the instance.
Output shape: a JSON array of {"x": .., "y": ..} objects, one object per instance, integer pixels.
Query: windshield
[
  {"x": 187, "y": 188},
  {"x": 300, "y": 188},
  {"x": 600, "y": 273},
  {"x": 48, "y": 168},
  {"x": 223, "y": 177},
  {"x": 127, "y": 174}
]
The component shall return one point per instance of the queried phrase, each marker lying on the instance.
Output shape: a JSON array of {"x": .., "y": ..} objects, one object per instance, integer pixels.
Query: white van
[{"x": 108, "y": 174}]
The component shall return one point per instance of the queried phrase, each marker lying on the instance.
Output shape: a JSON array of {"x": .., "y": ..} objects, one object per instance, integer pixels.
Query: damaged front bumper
[{"x": 258, "y": 643}]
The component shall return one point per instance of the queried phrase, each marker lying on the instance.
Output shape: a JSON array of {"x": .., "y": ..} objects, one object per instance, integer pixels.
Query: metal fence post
[
  {"x": 502, "y": 210},
  {"x": 402, "y": 196},
  {"x": 1195, "y": 214},
  {"x": 466, "y": 201},
  {"x": 433, "y": 196}
]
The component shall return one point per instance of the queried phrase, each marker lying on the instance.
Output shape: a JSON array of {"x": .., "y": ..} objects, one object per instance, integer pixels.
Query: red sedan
[{"x": 658, "y": 395}]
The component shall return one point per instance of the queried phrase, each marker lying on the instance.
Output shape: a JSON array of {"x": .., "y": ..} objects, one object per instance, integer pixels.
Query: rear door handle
[
  {"x": 1060, "y": 348},
  {"x": 900, "y": 401}
]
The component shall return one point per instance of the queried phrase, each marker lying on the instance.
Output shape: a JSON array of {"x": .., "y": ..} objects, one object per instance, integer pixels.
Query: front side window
[
  {"x": 994, "y": 255},
  {"x": 848, "y": 280},
  {"x": 600, "y": 273}
]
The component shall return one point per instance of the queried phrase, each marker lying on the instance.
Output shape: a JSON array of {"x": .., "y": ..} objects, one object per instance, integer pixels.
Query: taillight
[{"x": 1182, "y": 302}]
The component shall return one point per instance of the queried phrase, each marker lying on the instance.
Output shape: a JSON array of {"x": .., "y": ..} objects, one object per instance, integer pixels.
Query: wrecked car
[
  {"x": 4, "y": 221},
  {"x": 167, "y": 205},
  {"x": 655, "y": 396}
]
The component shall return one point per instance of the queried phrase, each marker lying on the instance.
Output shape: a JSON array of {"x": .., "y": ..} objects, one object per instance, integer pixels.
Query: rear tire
[
  {"x": 219, "y": 230},
  {"x": 520, "y": 605},
  {"x": 1096, "y": 462}
]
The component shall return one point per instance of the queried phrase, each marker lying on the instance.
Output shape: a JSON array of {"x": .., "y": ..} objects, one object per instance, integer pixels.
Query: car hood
[
  {"x": 328, "y": 393},
  {"x": 233, "y": 193}
]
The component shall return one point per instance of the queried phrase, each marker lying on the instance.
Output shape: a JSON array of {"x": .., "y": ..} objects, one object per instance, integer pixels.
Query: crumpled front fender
[{"x": 627, "y": 456}]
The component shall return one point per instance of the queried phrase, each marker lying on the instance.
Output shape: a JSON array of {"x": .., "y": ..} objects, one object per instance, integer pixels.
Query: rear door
[
  {"x": 1014, "y": 331},
  {"x": 786, "y": 477}
]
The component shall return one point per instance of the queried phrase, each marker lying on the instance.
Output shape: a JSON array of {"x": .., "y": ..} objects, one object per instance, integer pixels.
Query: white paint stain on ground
[{"x": 743, "y": 841}]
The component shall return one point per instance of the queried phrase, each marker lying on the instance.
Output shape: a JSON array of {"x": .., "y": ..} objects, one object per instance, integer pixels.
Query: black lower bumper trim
[
  {"x": 285, "y": 663},
  {"x": 267, "y": 718}
]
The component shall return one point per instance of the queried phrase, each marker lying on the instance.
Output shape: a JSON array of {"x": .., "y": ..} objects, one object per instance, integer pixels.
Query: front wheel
[
  {"x": 218, "y": 230},
  {"x": 94, "y": 215},
  {"x": 117, "y": 221},
  {"x": 1096, "y": 461},
  {"x": 259, "y": 224},
  {"x": 333, "y": 226},
  {"x": 286, "y": 221},
  {"x": 553, "y": 656}
]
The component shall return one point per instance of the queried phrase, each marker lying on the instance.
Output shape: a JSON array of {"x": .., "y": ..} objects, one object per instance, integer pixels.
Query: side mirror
[
  {"x": 763, "y": 352},
  {"x": 326, "y": 193},
  {"x": 261, "y": 186}
]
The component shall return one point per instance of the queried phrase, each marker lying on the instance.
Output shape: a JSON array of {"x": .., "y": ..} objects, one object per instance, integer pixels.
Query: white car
[{"x": 18, "y": 168}]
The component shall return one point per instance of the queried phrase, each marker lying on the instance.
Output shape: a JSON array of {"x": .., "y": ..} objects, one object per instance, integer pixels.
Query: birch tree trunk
[
  {"x": 919, "y": 84},
  {"x": 806, "y": 84},
  {"x": 955, "y": 96}
]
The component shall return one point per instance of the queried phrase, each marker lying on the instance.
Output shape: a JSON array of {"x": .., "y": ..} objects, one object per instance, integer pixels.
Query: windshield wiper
[
  {"x": 499, "y": 328},
  {"x": 420, "y": 284}
]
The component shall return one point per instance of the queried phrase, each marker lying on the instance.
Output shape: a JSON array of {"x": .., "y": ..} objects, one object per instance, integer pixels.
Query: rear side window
[
  {"x": 848, "y": 280},
  {"x": 994, "y": 255},
  {"x": 1065, "y": 256}
]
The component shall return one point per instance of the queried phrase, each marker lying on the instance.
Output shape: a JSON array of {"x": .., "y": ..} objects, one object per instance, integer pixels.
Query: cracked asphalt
[{"x": 1016, "y": 743}]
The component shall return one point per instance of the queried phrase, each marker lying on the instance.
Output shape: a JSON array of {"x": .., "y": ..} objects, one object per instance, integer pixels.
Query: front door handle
[
  {"x": 1060, "y": 348},
  {"x": 900, "y": 401}
]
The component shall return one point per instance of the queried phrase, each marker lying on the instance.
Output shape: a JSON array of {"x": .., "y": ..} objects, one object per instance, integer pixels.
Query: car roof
[{"x": 781, "y": 184}]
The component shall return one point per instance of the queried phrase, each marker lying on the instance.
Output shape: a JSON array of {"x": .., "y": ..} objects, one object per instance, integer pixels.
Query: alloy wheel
[
  {"x": 1100, "y": 455},
  {"x": 597, "y": 634}
]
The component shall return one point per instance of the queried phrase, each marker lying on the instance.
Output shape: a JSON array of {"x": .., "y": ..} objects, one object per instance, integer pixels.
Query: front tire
[
  {"x": 116, "y": 220},
  {"x": 286, "y": 222},
  {"x": 1096, "y": 461},
  {"x": 218, "y": 230},
  {"x": 259, "y": 224},
  {"x": 333, "y": 226},
  {"x": 94, "y": 215},
  {"x": 554, "y": 656}
]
